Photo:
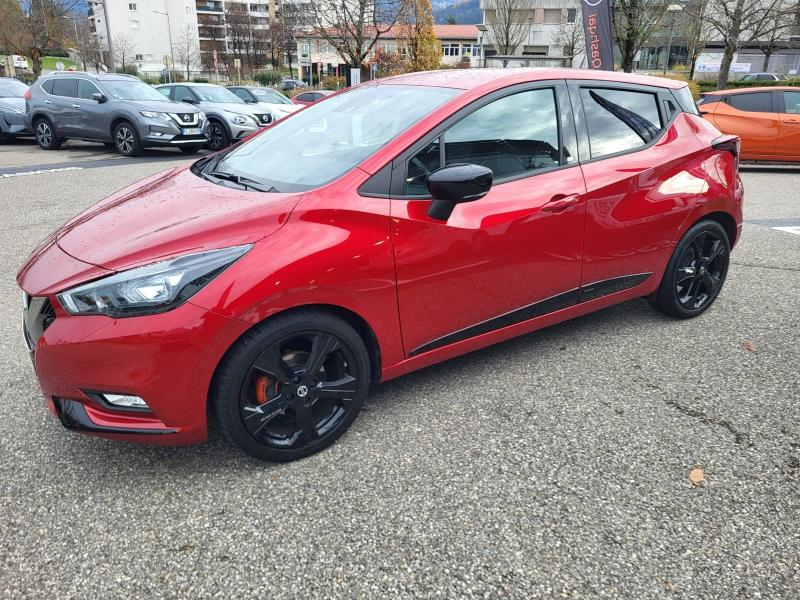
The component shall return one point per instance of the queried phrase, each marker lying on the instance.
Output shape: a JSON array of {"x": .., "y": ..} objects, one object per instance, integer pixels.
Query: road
[{"x": 553, "y": 465}]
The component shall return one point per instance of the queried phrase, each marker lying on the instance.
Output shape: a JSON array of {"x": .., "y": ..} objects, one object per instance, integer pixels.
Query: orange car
[{"x": 766, "y": 118}]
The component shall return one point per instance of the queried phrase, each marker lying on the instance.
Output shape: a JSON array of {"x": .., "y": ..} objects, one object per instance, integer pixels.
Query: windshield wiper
[{"x": 245, "y": 182}]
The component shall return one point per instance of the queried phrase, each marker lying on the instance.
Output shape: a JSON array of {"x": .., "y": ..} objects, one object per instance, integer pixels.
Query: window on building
[
  {"x": 572, "y": 15},
  {"x": 138, "y": 57},
  {"x": 552, "y": 16},
  {"x": 134, "y": 24},
  {"x": 753, "y": 102},
  {"x": 619, "y": 120},
  {"x": 131, "y": 5},
  {"x": 451, "y": 49}
]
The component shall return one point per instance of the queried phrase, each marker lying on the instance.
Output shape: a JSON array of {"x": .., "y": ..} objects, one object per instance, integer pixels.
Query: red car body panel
[{"x": 416, "y": 284}]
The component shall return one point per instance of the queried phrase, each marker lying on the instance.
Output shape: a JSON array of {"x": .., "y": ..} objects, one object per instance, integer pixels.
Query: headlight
[
  {"x": 150, "y": 289},
  {"x": 11, "y": 110},
  {"x": 154, "y": 115},
  {"x": 239, "y": 119}
]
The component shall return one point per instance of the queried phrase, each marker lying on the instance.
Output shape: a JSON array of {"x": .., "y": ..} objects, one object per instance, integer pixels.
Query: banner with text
[{"x": 597, "y": 27}]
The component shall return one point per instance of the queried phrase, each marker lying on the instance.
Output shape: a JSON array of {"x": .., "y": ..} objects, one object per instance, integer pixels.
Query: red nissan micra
[{"x": 397, "y": 224}]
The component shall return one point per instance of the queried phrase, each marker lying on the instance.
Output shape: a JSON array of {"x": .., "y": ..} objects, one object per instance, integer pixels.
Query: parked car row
[{"x": 124, "y": 112}]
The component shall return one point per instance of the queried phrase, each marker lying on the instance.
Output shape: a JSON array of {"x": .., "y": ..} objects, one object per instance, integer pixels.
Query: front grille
[
  {"x": 187, "y": 117},
  {"x": 265, "y": 119}
]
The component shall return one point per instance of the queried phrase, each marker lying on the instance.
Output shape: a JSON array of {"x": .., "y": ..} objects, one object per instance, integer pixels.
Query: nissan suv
[
  {"x": 116, "y": 109},
  {"x": 230, "y": 118}
]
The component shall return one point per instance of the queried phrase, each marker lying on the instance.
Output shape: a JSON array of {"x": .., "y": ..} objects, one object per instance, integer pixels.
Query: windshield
[
  {"x": 326, "y": 140},
  {"x": 272, "y": 96},
  {"x": 11, "y": 88},
  {"x": 213, "y": 93},
  {"x": 131, "y": 90}
]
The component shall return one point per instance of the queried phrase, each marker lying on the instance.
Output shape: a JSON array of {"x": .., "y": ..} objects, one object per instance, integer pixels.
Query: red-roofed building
[{"x": 459, "y": 45}]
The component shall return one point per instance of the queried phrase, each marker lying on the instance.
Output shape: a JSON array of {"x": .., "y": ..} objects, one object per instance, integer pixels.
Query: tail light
[
  {"x": 27, "y": 95},
  {"x": 729, "y": 143}
]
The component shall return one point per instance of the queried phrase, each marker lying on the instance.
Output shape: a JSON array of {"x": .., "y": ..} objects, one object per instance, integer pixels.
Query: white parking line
[
  {"x": 21, "y": 173},
  {"x": 795, "y": 230}
]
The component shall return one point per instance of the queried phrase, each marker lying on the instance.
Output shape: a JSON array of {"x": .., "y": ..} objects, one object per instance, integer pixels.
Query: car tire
[
  {"x": 5, "y": 138},
  {"x": 218, "y": 137},
  {"x": 695, "y": 273},
  {"x": 191, "y": 149},
  {"x": 126, "y": 139},
  {"x": 46, "y": 134},
  {"x": 291, "y": 386}
]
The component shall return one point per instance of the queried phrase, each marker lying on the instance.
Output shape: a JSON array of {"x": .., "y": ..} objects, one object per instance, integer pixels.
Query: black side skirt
[{"x": 585, "y": 293}]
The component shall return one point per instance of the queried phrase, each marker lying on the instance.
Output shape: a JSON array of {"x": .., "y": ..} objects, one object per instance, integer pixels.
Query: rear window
[
  {"x": 686, "y": 100},
  {"x": 752, "y": 102}
]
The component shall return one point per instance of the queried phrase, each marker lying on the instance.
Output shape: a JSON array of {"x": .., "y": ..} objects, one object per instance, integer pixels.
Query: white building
[{"x": 540, "y": 23}]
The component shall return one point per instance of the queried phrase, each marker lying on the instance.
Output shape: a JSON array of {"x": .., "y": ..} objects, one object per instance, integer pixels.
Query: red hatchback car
[{"x": 397, "y": 224}]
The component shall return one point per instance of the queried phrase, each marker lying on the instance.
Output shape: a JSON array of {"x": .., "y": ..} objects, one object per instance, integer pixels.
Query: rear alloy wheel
[
  {"x": 126, "y": 140},
  {"x": 218, "y": 137},
  {"x": 696, "y": 272},
  {"x": 46, "y": 135},
  {"x": 292, "y": 386}
]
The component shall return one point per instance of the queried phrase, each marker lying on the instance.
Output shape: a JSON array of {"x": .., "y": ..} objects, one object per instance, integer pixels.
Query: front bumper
[
  {"x": 14, "y": 124},
  {"x": 167, "y": 359},
  {"x": 162, "y": 132}
]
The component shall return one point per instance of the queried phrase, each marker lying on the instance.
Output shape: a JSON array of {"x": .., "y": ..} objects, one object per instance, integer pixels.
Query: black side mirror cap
[
  {"x": 454, "y": 184},
  {"x": 99, "y": 98},
  {"x": 188, "y": 100}
]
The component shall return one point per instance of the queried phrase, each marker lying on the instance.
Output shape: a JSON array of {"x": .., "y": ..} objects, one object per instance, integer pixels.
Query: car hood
[
  {"x": 247, "y": 109},
  {"x": 163, "y": 106},
  {"x": 279, "y": 108},
  {"x": 168, "y": 214},
  {"x": 15, "y": 102}
]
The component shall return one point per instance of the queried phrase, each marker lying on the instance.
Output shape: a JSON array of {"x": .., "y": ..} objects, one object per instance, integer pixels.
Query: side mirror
[
  {"x": 455, "y": 184},
  {"x": 188, "y": 100},
  {"x": 99, "y": 98},
  {"x": 250, "y": 101}
]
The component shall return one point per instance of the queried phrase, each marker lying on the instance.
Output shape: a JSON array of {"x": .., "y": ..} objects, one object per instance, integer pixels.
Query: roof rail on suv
[{"x": 93, "y": 75}]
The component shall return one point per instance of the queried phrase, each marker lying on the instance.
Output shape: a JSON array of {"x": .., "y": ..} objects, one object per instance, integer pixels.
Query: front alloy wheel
[
  {"x": 218, "y": 137},
  {"x": 46, "y": 136},
  {"x": 292, "y": 386},
  {"x": 126, "y": 140}
]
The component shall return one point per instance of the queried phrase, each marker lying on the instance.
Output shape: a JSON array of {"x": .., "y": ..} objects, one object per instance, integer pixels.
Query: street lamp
[
  {"x": 169, "y": 32},
  {"x": 671, "y": 9}
]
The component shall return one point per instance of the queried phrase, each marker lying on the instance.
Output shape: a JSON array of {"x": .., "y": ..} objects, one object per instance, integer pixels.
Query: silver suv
[
  {"x": 115, "y": 109},
  {"x": 229, "y": 117}
]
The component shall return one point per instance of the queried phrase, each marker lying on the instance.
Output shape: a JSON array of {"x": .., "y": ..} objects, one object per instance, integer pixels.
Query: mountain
[{"x": 463, "y": 11}]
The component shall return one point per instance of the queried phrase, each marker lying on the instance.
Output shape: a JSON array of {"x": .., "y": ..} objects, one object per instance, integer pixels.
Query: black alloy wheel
[
  {"x": 292, "y": 386},
  {"x": 46, "y": 135},
  {"x": 696, "y": 272},
  {"x": 218, "y": 137}
]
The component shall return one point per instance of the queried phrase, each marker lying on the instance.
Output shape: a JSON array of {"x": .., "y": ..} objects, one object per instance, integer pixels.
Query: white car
[{"x": 278, "y": 104}]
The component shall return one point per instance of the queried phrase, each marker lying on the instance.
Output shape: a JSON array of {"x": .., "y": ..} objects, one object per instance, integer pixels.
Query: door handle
[
  {"x": 561, "y": 202},
  {"x": 48, "y": 101},
  {"x": 76, "y": 106},
  {"x": 793, "y": 122}
]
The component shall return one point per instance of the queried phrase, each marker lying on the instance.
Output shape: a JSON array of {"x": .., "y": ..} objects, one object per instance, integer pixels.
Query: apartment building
[{"x": 538, "y": 25}]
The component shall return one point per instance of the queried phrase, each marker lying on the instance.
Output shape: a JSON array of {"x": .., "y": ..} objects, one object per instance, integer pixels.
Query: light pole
[
  {"x": 169, "y": 32},
  {"x": 671, "y": 9}
]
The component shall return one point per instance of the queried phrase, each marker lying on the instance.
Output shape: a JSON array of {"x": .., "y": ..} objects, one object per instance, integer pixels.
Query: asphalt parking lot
[{"x": 554, "y": 465}]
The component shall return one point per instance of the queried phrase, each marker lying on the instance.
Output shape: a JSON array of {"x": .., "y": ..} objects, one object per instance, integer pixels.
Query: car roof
[
  {"x": 763, "y": 88},
  {"x": 472, "y": 78},
  {"x": 97, "y": 76}
]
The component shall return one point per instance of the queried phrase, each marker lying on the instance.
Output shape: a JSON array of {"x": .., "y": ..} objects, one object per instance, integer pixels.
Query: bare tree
[
  {"x": 29, "y": 27},
  {"x": 571, "y": 38},
  {"x": 635, "y": 21},
  {"x": 187, "y": 52},
  {"x": 695, "y": 30},
  {"x": 507, "y": 25},
  {"x": 740, "y": 23},
  {"x": 352, "y": 27},
  {"x": 778, "y": 25},
  {"x": 124, "y": 50}
]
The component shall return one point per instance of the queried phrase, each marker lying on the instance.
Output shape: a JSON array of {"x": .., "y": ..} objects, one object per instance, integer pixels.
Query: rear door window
[
  {"x": 751, "y": 102},
  {"x": 619, "y": 120},
  {"x": 65, "y": 87},
  {"x": 182, "y": 92},
  {"x": 791, "y": 102}
]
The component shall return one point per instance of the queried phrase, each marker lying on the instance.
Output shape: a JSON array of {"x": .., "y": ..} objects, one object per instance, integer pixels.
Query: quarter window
[
  {"x": 619, "y": 120},
  {"x": 65, "y": 87},
  {"x": 753, "y": 102},
  {"x": 86, "y": 89},
  {"x": 791, "y": 102},
  {"x": 164, "y": 91},
  {"x": 243, "y": 94}
]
